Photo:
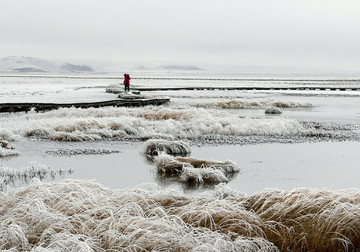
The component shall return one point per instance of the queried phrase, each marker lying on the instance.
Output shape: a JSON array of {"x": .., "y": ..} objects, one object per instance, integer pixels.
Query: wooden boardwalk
[
  {"x": 134, "y": 101},
  {"x": 318, "y": 88},
  {"x": 18, "y": 107}
]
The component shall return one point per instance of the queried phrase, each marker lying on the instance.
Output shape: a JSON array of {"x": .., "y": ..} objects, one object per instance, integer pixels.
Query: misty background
[{"x": 320, "y": 35}]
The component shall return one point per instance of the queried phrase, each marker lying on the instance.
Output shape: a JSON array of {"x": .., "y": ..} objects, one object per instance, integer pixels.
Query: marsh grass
[
  {"x": 251, "y": 103},
  {"x": 315, "y": 220},
  {"x": 11, "y": 176},
  {"x": 7, "y": 149},
  {"x": 273, "y": 110},
  {"x": 195, "y": 171},
  {"x": 139, "y": 124},
  {"x": 75, "y": 215},
  {"x": 153, "y": 147}
]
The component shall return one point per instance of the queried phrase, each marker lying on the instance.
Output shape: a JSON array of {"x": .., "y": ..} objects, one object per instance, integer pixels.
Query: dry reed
[
  {"x": 74, "y": 215},
  {"x": 153, "y": 147},
  {"x": 315, "y": 220},
  {"x": 195, "y": 171},
  {"x": 273, "y": 110},
  {"x": 190, "y": 124},
  {"x": 251, "y": 103},
  {"x": 6, "y": 149}
]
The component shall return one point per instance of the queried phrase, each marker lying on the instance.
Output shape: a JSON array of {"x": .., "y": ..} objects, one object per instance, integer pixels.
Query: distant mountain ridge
[
  {"x": 180, "y": 67},
  {"x": 14, "y": 64},
  {"x": 77, "y": 68},
  {"x": 169, "y": 67},
  {"x": 33, "y": 65}
]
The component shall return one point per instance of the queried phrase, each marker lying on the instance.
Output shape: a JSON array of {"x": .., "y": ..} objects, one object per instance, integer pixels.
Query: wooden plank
[
  {"x": 325, "y": 88},
  {"x": 24, "y": 107}
]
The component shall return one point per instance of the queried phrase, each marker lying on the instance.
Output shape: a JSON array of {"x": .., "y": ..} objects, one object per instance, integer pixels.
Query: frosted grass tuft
[
  {"x": 8, "y": 152},
  {"x": 10, "y": 176},
  {"x": 135, "y": 124},
  {"x": 153, "y": 147},
  {"x": 273, "y": 110},
  {"x": 202, "y": 176},
  {"x": 195, "y": 171},
  {"x": 6, "y": 149},
  {"x": 86, "y": 216},
  {"x": 250, "y": 103}
]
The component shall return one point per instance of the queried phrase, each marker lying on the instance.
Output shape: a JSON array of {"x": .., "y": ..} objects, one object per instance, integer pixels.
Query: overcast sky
[{"x": 276, "y": 33}]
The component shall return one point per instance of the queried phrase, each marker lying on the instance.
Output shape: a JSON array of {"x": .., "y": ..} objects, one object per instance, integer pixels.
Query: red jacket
[{"x": 126, "y": 79}]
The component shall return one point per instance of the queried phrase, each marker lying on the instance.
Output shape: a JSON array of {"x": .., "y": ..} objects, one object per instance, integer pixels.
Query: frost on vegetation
[
  {"x": 8, "y": 135},
  {"x": 154, "y": 147},
  {"x": 10, "y": 176},
  {"x": 252, "y": 103},
  {"x": 195, "y": 171},
  {"x": 196, "y": 125},
  {"x": 74, "y": 152},
  {"x": 273, "y": 110},
  {"x": 6, "y": 149},
  {"x": 191, "y": 175},
  {"x": 85, "y": 216},
  {"x": 8, "y": 152},
  {"x": 332, "y": 131}
]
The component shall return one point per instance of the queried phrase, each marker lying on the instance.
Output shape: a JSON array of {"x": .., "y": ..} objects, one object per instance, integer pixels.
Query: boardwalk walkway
[
  {"x": 324, "y": 88},
  {"x": 133, "y": 101},
  {"x": 17, "y": 107}
]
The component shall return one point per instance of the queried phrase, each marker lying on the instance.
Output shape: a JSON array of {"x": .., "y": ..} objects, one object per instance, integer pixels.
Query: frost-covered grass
[
  {"x": 8, "y": 152},
  {"x": 251, "y": 103},
  {"x": 32, "y": 170},
  {"x": 83, "y": 151},
  {"x": 194, "y": 124},
  {"x": 153, "y": 147},
  {"x": 227, "y": 166},
  {"x": 199, "y": 176},
  {"x": 75, "y": 215},
  {"x": 195, "y": 171},
  {"x": 273, "y": 110},
  {"x": 6, "y": 149}
]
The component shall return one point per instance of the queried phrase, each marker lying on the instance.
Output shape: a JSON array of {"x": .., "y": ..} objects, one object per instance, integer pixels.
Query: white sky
[{"x": 319, "y": 34}]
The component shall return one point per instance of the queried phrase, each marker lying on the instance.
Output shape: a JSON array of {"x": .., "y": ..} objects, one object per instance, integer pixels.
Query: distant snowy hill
[
  {"x": 32, "y": 65},
  {"x": 169, "y": 67},
  {"x": 15, "y": 64},
  {"x": 180, "y": 67},
  {"x": 76, "y": 68}
]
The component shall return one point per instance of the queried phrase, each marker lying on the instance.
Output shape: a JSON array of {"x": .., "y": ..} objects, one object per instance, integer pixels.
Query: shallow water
[
  {"x": 287, "y": 166},
  {"x": 284, "y": 166}
]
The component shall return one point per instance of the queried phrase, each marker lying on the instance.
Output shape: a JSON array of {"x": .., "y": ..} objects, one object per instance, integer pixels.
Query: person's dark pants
[{"x": 127, "y": 87}]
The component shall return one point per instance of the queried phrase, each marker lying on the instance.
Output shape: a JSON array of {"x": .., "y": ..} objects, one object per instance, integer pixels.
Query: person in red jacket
[{"x": 127, "y": 82}]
